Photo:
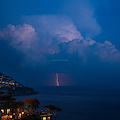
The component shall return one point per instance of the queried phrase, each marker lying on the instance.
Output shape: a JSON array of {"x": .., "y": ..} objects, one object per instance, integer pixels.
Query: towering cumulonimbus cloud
[
  {"x": 82, "y": 12},
  {"x": 40, "y": 35},
  {"x": 20, "y": 37},
  {"x": 54, "y": 26},
  {"x": 43, "y": 35}
]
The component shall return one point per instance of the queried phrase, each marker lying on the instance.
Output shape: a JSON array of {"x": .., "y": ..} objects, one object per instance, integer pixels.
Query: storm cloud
[
  {"x": 43, "y": 35},
  {"x": 78, "y": 39}
]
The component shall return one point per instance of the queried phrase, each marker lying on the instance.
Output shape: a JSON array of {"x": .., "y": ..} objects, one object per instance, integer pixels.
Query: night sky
[{"x": 78, "y": 39}]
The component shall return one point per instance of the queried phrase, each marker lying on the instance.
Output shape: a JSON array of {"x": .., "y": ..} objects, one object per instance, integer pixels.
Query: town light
[
  {"x": 10, "y": 116},
  {"x": 44, "y": 118},
  {"x": 8, "y": 110},
  {"x": 2, "y": 110},
  {"x": 22, "y": 113}
]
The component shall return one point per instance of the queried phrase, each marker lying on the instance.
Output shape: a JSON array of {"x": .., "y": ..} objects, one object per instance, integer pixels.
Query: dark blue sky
[{"x": 79, "y": 39}]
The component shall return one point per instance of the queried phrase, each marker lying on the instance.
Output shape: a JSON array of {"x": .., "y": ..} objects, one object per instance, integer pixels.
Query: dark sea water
[{"x": 80, "y": 103}]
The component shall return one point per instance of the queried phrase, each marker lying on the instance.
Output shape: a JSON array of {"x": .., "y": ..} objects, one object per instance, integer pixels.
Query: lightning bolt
[{"x": 57, "y": 80}]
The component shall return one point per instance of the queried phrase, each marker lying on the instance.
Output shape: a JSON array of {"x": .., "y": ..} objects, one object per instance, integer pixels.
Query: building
[
  {"x": 45, "y": 116},
  {"x": 6, "y": 81},
  {"x": 12, "y": 110}
]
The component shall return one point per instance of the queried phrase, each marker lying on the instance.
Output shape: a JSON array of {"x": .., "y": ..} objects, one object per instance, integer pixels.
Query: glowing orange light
[
  {"x": 48, "y": 118},
  {"x": 10, "y": 116},
  {"x": 44, "y": 118},
  {"x": 19, "y": 115},
  {"x": 22, "y": 113},
  {"x": 4, "y": 117}
]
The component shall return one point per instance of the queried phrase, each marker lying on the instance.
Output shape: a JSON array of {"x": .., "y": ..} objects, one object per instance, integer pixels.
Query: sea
[{"x": 79, "y": 103}]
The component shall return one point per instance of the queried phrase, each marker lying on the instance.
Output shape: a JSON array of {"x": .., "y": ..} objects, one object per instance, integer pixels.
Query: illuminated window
[
  {"x": 48, "y": 118},
  {"x": 13, "y": 113},
  {"x": 4, "y": 117},
  {"x": 22, "y": 113},
  {"x": 2, "y": 110},
  {"x": 18, "y": 110},
  {"x": 12, "y": 83},
  {"x": 8, "y": 110},
  {"x": 44, "y": 118},
  {"x": 7, "y": 83},
  {"x": 10, "y": 116},
  {"x": 19, "y": 115}
]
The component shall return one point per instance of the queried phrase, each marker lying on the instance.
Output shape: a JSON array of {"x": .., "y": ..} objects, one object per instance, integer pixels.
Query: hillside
[{"x": 7, "y": 82}]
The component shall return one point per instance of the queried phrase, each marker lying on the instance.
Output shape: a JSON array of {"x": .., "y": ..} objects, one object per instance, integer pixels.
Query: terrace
[{"x": 12, "y": 110}]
